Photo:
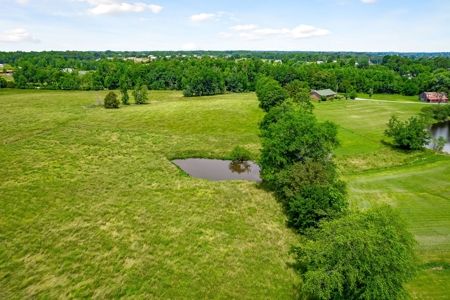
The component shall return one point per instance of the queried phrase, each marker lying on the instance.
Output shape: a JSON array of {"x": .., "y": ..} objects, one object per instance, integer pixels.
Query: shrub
[
  {"x": 111, "y": 100},
  {"x": 353, "y": 95},
  {"x": 240, "y": 154},
  {"x": 3, "y": 82},
  {"x": 408, "y": 135}
]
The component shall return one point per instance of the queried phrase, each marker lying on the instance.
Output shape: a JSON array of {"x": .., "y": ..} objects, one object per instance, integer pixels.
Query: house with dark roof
[
  {"x": 318, "y": 94},
  {"x": 433, "y": 97}
]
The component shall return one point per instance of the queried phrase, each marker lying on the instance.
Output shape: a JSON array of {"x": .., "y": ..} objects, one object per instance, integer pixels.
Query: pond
[
  {"x": 218, "y": 170},
  {"x": 440, "y": 129}
]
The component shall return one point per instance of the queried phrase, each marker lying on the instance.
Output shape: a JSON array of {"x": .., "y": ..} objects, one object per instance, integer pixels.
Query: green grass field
[
  {"x": 92, "y": 207},
  {"x": 389, "y": 97}
]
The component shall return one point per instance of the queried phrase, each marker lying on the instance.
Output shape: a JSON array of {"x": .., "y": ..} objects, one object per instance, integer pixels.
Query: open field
[{"x": 92, "y": 208}]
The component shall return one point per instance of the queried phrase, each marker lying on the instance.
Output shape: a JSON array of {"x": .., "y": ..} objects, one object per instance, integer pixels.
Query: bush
[
  {"x": 240, "y": 154},
  {"x": 11, "y": 84},
  {"x": 3, "y": 82},
  {"x": 111, "y": 100},
  {"x": 408, "y": 135},
  {"x": 353, "y": 95}
]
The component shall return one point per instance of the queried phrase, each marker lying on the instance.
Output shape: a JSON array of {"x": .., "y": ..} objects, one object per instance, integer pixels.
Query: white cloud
[
  {"x": 299, "y": 32},
  {"x": 226, "y": 34},
  {"x": 111, "y": 7},
  {"x": 250, "y": 36},
  {"x": 189, "y": 46},
  {"x": 202, "y": 17},
  {"x": 244, "y": 27},
  {"x": 304, "y": 31},
  {"x": 266, "y": 31},
  {"x": 17, "y": 36},
  {"x": 369, "y": 1}
]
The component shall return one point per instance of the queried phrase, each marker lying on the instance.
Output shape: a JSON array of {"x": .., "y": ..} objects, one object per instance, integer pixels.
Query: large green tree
[
  {"x": 363, "y": 255},
  {"x": 296, "y": 136},
  {"x": 270, "y": 94}
]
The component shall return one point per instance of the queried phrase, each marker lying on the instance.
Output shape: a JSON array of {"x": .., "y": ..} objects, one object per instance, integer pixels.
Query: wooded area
[{"x": 222, "y": 72}]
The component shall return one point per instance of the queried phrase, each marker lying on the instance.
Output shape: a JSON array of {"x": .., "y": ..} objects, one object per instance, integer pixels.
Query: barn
[{"x": 433, "y": 97}]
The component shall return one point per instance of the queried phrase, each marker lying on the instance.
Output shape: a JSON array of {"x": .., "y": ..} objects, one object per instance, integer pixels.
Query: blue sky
[{"x": 314, "y": 25}]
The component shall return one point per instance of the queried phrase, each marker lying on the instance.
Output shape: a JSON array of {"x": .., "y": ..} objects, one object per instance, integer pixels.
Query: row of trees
[
  {"x": 342, "y": 254},
  {"x": 209, "y": 76}
]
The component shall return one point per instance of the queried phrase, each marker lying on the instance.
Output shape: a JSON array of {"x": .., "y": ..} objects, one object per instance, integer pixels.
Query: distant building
[
  {"x": 433, "y": 97},
  {"x": 278, "y": 61},
  {"x": 68, "y": 70},
  {"x": 1, "y": 66},
  {"x": 318, "y": 94}
]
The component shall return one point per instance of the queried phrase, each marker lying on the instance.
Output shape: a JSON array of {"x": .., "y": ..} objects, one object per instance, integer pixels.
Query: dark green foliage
[
  {"x": 211, "y": 76},
  {"x": 323, "y": 98},
  {"x": 310, "y": 191},
  {"x": 410, "y": 88},
  {"x": 408, "y": 135},
  {"x": 11, "y": 84},
  {"x": 270, "y": 93},
  {"x": 295, "y": 137},
  {"x": 296, "y": 87},
  {"x": 125, "y": 97},
  {"x": 202, "y": 82},
  {"x": 21, "y": 82},
  {"x": 274, "y": 114},
  {"x": 436, "y": 112},
  {"x": 3, "y": 82},
  {"x": 240, "y": 154},
  {"x": 353, "y": 95},
  {"x": 111, "y": 100},
  {"x": 366, "y": 255}
]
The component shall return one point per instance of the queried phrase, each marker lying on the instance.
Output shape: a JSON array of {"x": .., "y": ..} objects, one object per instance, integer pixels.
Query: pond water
[
  {"x": 218, "y": 170},
  {"x": 441, "y": 129}
]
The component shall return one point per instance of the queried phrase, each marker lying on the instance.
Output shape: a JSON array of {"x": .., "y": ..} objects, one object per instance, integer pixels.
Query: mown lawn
[
  {"x": 92, "y": 208},
  {"x": 389, "y": 97},
  {"x": 417, "y": 183}
]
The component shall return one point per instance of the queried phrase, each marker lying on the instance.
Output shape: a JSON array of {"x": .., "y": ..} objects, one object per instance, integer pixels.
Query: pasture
[{"x": 92, "y": 207}]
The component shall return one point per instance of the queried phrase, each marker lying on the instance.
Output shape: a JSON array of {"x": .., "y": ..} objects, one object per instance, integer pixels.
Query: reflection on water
[
  {"x": 440, "y": 129},
  {"x": 218, "y": 170},
  {"x": 240, "y": 167}
]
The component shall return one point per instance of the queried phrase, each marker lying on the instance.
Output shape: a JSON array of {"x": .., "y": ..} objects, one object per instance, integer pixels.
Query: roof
[
  {"x": 326, "y": 92},
  {"x": 435, "y": 96}
]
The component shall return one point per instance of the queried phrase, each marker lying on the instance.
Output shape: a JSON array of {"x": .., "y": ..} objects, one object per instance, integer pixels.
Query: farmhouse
[
  {"x": 433, "y": 97},
  {"x": 318, "y": 94}
]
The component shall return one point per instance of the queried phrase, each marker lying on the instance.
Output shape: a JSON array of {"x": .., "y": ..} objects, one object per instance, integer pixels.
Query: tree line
[{"x": 344, "y": 73}]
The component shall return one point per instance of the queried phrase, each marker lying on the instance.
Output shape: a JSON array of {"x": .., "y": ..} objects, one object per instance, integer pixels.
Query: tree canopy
[{"x": 364, "y": 255}]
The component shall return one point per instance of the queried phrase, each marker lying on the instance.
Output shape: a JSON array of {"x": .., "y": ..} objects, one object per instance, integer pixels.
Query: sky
[{"x": 301, "y": 25}]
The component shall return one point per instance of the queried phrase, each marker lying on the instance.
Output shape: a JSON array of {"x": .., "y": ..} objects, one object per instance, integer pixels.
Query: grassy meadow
[{"x": 92, "y": 207}]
